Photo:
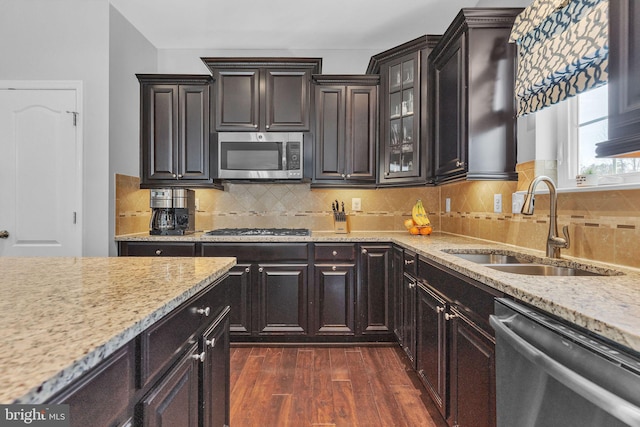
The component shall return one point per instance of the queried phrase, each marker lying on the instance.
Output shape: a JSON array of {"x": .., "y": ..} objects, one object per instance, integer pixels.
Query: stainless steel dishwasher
[{"x": 548, "y": 374}]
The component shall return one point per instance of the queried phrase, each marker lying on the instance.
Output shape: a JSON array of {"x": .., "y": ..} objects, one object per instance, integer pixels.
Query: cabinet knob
[
  {"x": 386, "y": 173},
  {"x": 158, "y": 251},
  {"x": 255, "y": 126},
  {"x": 267, "y": 126},
  {"x": 4, "y": 234},
  {"x": 459, "y": 164},
  {"x": 334, "y": 253},
  {"x": 206, "y": 311},
  {"x": 261, "y": 269},
  {"x": 334, "y": 268},
  {"x": 211, "y": 343},
  {"x": 180, "y": 175},
  {"x": 364, "y": 252},
  {"x": 439, "y": 309},
  {"x": 343, "y": 176},
  {"x": 246, "y": 270},
  {"x": 173, "y": 175},
  {"x": 448, "y": 316},
  {"x": 199, "y": 357},
  {"x": 409, "y": 261},
  {"x": 348, "y": 175},
  {"x": 412, "y": 285}
]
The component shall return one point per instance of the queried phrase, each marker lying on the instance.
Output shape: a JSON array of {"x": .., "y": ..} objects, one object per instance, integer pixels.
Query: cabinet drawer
[
  {"x": 335, "y": 252},
  {"x": 166, "y": 339},
  {"x": 263, "y": 252},
  {"x": 157, "y": 249}
]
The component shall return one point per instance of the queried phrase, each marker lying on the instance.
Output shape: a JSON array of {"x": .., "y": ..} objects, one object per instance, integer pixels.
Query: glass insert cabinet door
[{"x": 401, "y": 148}]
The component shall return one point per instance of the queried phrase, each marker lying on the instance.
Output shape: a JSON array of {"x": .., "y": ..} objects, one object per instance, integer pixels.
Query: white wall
[
  {"x": 68, "y": 40},
  {"x": 130, "y": 53}
]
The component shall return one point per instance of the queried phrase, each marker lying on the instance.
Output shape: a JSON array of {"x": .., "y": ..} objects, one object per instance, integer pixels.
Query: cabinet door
[
  {"x": 400, "y": 137},
  {"x": 449, "y": 109},
  {"x": 330, "y": 133},
  {"x": 431, "y": 351},
  {"x": 216, "y": 373},
  {"x": 174, "y": 402},
  {"x": 409, "y": 316},
  {"x": 237, "y": 99},
  {"x": 287, "y": 98},
  {"x": 159, "y": 132},
  {"x": 281, "y": 303},
  {"x": 473, "y": 388},
  {"x": 193, "y": 125},
  {"x": 375, "y": 301},
  {"x": 240, "y": 299},
  {"x": 335, "y": 299},
  {"x": 361, "y": 132}
]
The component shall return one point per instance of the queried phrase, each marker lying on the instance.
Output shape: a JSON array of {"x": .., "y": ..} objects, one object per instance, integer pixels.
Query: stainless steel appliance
[
  {"x": 259, "y": 232},
  {"x": 549, "y": 374},
  {"x": 258, "y": 155},
  {"x": 172, "y": 211}
]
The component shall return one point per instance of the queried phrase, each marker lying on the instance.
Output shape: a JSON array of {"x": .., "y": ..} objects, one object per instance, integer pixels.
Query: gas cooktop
[{"x": 259, "y": 232}]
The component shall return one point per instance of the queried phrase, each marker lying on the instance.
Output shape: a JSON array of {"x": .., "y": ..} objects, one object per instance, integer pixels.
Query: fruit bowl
[{"x": 424, "y": 230}]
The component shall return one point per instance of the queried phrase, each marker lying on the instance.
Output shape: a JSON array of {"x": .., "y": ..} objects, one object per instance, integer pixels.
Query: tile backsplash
[{"x": 603, "y": 225}]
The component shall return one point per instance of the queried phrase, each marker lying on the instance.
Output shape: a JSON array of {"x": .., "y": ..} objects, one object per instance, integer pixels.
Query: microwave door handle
[{"x": 284, "y": 155}]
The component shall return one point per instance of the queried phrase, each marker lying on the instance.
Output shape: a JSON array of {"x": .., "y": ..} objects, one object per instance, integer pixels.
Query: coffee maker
[{"x": 172, "y": 211}]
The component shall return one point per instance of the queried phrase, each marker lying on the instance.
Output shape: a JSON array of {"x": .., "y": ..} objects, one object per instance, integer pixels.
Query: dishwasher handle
[{"x": 618, "y": 407}]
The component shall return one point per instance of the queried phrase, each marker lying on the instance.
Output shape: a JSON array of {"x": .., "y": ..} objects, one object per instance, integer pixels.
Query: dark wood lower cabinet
[
  {"x": 334, "y": 288},
  {"x": 174, "y": 402},
  {"x": 240, "y": 279},
  {"x": 215, "y": 374},
  {"x": 375, "y": 299}
]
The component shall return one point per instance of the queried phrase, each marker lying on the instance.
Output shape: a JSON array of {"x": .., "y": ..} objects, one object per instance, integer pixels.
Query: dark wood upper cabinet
[
  {"x": 263, "y": 94},
  {"x": 404, "y": 140},
  {"x": 345, "y": 129},
  {"x": 471, "y": 94},
  {"x": 624, "y": 81},
  {"x": 174, "y": 130}
]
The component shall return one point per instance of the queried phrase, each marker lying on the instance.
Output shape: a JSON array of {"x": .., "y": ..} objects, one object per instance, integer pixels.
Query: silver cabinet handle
[
  {"x": 158, "y": 251},
  {"x": 174, "y": 175},
  {"x": 180, "y": 175},
  {"x": 448, "y": 316},
  {"x": 364, "y": 252},
  {"x": 246, "y": 270},
  {"x": 4, "y": 234},
  {"x": 343, "y": 176},
  {"x": 334, "y": 253},
  {"x": 206, "y": 311},
  {"x": 409, "y": 261},
  {"x": 261, "y": 269},
  {"x": 334, "y": 268},
  {"x": 459, "y": 164},
  {"x": 268, "y": 126},
  {"x": 200, "y": 356},
  {"x": 255, "y": 126},
  {"x": 439, "y": 309},
  {"x": 211, "y": 342},
  {"x": 348, "y": 175}
]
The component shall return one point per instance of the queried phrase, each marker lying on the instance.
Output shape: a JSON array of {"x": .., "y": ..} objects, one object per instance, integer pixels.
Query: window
[{"x": 587, "y": 125}]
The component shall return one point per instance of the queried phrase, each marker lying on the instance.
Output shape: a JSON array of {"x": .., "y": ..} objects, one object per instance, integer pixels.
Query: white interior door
[{"x": 40, "y": 174}]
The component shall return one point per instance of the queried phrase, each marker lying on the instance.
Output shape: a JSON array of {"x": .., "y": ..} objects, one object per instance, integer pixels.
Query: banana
[
  {"x": 419, "y": 214},
  {"x": 423, "y": 214}
]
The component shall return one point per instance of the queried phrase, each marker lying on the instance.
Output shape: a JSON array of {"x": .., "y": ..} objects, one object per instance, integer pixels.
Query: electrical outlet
[
  {"x": 517, "y": 200},
  {"x": 447, "y": 205},
  {"x": 356, "y": 204},
  {"x": 497, "y": 203},
  {"x": 197, "y": 204}
]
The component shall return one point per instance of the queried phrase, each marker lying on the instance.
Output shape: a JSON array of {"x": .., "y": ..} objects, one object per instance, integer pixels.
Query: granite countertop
[
  {"x": 60, "y": 317},
  {"x": 606, "y": 305}
]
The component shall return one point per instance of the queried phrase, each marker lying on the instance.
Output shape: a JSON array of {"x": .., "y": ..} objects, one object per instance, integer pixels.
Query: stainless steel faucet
[{"x": 554, "y": 242}]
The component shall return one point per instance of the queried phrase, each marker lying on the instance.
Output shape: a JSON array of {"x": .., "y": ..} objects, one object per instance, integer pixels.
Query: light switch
[{"x": 356, "y": 204}]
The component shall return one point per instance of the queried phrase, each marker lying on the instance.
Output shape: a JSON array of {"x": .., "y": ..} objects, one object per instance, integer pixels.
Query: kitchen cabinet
[
  {"x": 335, "y": 289},
  {"x": 375, "y": 299},
  {"x": 456, "y": 344},
  {"x": 346, "y": 129},
  {"x": 471, "y": 88},
  {"x": 624, "y": 81},
  {"x": 176, "y": 372},
  {"x": 174, "y": 130},
  {"x": 404, "y": 140},
  {"x": 408, "y": 317},
  {"x": 263, "y": 94},
  {"x": 156, "y": 249}
]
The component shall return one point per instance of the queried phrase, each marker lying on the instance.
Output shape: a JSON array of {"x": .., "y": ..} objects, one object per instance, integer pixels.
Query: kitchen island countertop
[
  {"x": 60, "y": 317},
  {"x": 606, "y": 305}
]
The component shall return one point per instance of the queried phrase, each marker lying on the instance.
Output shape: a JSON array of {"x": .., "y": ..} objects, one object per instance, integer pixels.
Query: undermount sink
[
  {"x": 516, "y": 263},
  {"x": 542, "y": 270}
]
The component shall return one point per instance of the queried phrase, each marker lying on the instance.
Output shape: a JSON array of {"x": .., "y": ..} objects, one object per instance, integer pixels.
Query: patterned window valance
[{"x": 563, "y": 49}]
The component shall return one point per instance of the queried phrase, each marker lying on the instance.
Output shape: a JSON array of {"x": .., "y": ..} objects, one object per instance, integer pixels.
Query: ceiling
[{"x": 287, "y": 24}]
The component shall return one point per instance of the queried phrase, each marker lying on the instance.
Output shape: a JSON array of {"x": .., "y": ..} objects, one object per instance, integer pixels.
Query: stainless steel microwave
[{"x": 260, "y": 155}]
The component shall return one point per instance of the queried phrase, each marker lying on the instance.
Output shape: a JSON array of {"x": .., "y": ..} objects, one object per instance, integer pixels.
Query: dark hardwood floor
[{"x": 327, "y": 386}]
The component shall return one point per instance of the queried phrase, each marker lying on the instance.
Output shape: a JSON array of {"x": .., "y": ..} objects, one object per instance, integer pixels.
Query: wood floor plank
[
  {"x": 412, "y": 407},
  {"x": 323, "y": 413},
  {"x": 240, "y": 392},
  {"x": 262, "y": 392},
  {"x": 302, "y": 401},
  {"x": 286, "y": 371},
  {"x": 239, "y": 356},
  {"x": 344, "y": 404},
  {"x": 339, "y": 368}
]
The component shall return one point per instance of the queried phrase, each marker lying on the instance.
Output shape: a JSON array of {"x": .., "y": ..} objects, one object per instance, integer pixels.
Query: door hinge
[
  {"x": 75, "y": 217},
  {"x": 75, "y": 117}
]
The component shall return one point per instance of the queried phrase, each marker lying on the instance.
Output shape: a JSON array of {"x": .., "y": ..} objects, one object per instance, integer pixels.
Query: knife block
[{"x": 341, "y": 226}]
